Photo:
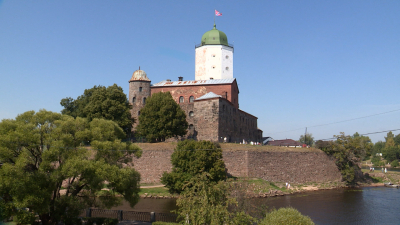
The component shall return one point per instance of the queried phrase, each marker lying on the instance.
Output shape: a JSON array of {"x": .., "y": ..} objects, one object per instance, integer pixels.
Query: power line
[
  {"x": 378, "y": 132},
  {"x": 342, "y": 121}
]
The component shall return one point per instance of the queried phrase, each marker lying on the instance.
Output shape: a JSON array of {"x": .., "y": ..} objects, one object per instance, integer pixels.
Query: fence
[{"x": 131, "y": 215}]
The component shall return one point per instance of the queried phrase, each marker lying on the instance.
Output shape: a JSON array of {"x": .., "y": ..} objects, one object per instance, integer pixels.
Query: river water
[{"x": 368, "y": 205}]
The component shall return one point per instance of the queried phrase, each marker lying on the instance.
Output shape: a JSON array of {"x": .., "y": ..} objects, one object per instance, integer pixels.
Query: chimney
[
  {"x": 168, "y": 79},
  {"x": 211, "y": 78},
  {"x": 180, "y": 78}
]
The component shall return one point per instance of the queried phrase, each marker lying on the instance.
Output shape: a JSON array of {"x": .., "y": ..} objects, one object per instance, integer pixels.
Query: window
[
  {"x": 140, "y": 89},
  {"x": 213, "y": 55},
  {"x": 133, "y": 100},
  {"x": 191, "y": 127},
  {"x": 213, "y": 67},
  {"x": 191, "y": 113},
  {"x": 223, "y": 108},
  {"x": 138, "y": 113},
  {"x": 226, "y": 68},
  {"x": 191, "y": 99},
  {"x": 144, "y": 100},
  {"x": 226, "y": 57},
  {"x": 181, "y": 99}
]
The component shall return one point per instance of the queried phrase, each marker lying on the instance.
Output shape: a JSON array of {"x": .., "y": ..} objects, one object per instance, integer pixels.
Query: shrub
[
  {"x": 394, "y": 163},
  {"x": 286, "y": 216},
  {"x": 101, "y": 221}
]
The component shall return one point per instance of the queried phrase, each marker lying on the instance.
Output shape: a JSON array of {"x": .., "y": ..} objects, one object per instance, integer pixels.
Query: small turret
[{"x": 139, "y": 91}]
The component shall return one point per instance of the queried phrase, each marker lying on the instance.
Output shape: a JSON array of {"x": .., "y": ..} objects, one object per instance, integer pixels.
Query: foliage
[
  {"x": 389, "y": 135},
  {"x": 378, "y": 147},
  {"x": 307, "y": 139},
  {"x": 348, "y": 152},
  {"x": 286, "y": 216},
  {"x": 163, "y": 223},
  {"x": 42, "y": 154},
  {"x": 376, "y": 160},
  {"x": 323, "y": 145},
  {"x": 191, "y": 158},
  {"x": 161, "y": 118},
  {"x": 100, "y": 102},
  {"x": 101, "y": 221},
  {"x": 391, "y": 153},
  {"x": 394, "y": 163},
  {"x": 397, "y": 139},
  {"x": 206, "y": 202}
]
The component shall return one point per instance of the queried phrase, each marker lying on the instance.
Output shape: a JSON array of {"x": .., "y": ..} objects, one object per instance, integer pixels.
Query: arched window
[
  {"x": 140, "y": 89},
  {"x": 191, "y": 113},
  {"x": 191, "y": 99},
  {"x": 144, "y": 100},
  {"x": 138, "y": 113},
  {"x": 134, "y": 100},
  {"x": 181, "y": 99},
  {"x": 191, "y": 127}
]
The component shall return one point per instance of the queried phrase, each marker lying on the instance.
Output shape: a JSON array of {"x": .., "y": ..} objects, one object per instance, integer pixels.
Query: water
[{"x": 369, "y": 205}]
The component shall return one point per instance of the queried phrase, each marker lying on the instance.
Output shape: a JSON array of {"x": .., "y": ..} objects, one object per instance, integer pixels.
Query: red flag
[{"x": 218, "y": 13}]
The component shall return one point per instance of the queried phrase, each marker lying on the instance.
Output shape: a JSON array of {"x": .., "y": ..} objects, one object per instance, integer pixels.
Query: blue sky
[{"x": 298, "y": 63}]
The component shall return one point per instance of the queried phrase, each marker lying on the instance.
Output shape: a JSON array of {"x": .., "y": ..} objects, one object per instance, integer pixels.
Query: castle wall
[
  {"x": 292, "y": 167},
  {"x": 199, "y": 90}
]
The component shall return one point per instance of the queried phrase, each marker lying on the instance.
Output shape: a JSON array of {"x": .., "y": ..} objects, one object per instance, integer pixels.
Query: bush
[
  {"x": 101, "y": 221},
  {"x": 191, "y": 158},
  {"x": 73, "y": 221},
  {"x": 286, "y": 216},
  {"x": 394, "y": 163}
]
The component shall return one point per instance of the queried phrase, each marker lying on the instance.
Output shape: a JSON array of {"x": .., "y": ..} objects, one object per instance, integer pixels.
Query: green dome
[{"x": 214, "y": 37}]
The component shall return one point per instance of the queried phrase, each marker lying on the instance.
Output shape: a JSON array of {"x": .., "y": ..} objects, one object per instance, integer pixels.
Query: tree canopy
[
  {"x": 45, "y": 167},
  {"x": 307, "y": 139},
  {"x": 348, "y": 152},
  {"x": 191, "y": 158},
  {"x": 101, "y": 102},
  {"x": 161, "y": 118}
]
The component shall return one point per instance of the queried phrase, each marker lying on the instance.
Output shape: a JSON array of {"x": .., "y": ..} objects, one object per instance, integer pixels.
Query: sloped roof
[
  {"x": 194, "y": 82},
  {"x": 285, "y": 142},
  {"x": 208, "y": 96}
]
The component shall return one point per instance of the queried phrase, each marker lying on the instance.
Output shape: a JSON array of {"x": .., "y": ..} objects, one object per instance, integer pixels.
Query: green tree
[
  {"x": 389, "y": 135},
  {"x": 191, "y": 158},
  {"x": 307, "y": 139},
  {"x": 397, "y": 139},
  {"x": 204, "y": 201},
  {"x": 100, "y": 102},
  {"x": 286, "y": 216},
  {"x": 46, "y": 168},
  {"x": 161, "y": 118},
  {"x": 377, "y": 148},
  {"x": 348, "y": 152}
]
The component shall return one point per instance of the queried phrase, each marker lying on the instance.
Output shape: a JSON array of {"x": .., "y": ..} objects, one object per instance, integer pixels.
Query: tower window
[
  {"x": 191, "y": 99},
  {"x": 140, "y": 89},
  {"x": 191, "y": 113},
  {"x": 138, "y": 113},
  {"x": 134, "y": 100},
  {"x": 144, "y": 100},
  {"x": 227, "y": 68},
  {"x": 213, "y": 67},
  {"x": 181, "y": 99},
  {"x": 191, "y": 127},
  {"x": 227, "y": 57}
]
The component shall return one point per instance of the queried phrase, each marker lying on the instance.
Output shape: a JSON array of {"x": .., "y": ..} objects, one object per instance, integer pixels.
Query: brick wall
[{"x": 292, "y": 167}]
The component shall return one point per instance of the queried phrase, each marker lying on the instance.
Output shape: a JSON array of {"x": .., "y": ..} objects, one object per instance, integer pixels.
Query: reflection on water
[{"x": 369, "y": 205}]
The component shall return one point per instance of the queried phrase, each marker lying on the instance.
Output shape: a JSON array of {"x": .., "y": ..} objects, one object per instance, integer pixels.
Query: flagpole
[{"x": 214, "y": 16}]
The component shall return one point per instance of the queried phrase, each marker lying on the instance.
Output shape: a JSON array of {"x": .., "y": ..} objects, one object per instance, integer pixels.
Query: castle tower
[
  {"x": 214, "y": 56},
  {"x": 139, "y": 91}
]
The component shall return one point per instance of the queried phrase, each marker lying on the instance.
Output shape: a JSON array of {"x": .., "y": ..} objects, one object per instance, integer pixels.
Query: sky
[{"x": 330, "y": 66}]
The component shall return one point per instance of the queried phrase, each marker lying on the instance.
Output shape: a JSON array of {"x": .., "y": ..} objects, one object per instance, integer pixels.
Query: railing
[{"x": 130, "y": 215}]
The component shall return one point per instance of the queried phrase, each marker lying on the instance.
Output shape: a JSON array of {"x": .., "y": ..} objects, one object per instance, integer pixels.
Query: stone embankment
[{"x": 276, "y": 164}]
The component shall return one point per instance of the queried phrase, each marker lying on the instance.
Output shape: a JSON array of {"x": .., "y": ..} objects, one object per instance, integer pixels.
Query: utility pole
[{"x": 305, "y": 136}]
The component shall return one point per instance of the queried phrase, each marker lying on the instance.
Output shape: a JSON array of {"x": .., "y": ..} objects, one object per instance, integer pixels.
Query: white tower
[{"x": 214, "y": 56}]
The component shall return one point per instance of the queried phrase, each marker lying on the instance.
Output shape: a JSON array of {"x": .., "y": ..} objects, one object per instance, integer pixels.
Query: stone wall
[{"x": 292, "y": 167}]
